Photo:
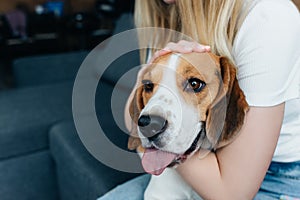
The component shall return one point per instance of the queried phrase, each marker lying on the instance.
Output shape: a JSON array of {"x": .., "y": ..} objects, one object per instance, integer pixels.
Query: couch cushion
[
  {"x": 122, "y": 66},
  {"x": 28, "y": 177},
  {"x": 80, "y": 175},
  {"x": 124, "y": 62},
  {"x": 26, "y": 115},
  {"x": 47, "y": 69}
]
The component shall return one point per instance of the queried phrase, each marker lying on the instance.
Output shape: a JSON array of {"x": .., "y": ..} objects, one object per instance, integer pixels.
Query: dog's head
[{"x": 183, "y": 103}]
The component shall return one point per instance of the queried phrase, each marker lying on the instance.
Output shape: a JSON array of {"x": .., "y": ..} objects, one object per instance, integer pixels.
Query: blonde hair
[{"x": 209, "y": 22}]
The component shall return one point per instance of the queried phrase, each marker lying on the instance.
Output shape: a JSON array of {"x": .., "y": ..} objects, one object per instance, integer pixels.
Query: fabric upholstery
[
  {"x": 47, "y": 69},
  {"x": 80, "y": 175},
  {"x": 27, "y": 114},
  {"x": 28, "y": 177}
]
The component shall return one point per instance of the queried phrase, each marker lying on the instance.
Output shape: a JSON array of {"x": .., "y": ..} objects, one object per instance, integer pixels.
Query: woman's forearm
[{"x": 237, "y": 170}]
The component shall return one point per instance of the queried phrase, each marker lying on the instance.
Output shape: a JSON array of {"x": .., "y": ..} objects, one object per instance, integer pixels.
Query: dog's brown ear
[
  {"x": 226, "y": 115},
  {"x": 135, "y": 107}
]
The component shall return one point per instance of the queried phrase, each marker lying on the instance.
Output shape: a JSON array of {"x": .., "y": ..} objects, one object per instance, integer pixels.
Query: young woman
[{"x": 262, "y": 38}]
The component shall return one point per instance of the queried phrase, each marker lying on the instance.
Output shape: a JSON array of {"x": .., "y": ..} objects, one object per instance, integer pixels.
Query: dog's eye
[
  {"x": 148, "y": 85},
  {"x": 195, "y": 84}
]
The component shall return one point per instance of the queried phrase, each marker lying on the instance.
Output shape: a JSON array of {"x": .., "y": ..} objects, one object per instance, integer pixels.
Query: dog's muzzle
[{"x": 155, "y": 160}]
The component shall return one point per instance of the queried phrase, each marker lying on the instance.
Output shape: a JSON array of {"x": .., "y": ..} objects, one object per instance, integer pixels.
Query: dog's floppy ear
[
  {"x": 226, "y": 115},
  {"x": 135, "y": 107}
]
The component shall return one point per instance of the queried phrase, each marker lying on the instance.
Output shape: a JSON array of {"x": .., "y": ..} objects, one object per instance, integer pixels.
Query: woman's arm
[{"x": 237, "y": 170}]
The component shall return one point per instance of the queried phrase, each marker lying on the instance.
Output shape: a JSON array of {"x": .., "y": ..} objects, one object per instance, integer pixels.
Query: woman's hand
[{"x": 182, "y": 46}]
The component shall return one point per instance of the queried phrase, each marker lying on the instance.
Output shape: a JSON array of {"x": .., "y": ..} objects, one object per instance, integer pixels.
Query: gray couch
[{"x": 41, "y": 155}]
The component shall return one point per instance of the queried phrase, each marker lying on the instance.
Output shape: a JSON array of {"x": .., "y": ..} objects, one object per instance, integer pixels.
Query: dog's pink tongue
[{"x": 155, "y": 161}]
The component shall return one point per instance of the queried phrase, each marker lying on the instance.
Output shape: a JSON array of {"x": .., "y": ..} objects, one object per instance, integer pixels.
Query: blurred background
[
  {"x": 31, "y": 27},
  {"x": 42, "y": 45}
]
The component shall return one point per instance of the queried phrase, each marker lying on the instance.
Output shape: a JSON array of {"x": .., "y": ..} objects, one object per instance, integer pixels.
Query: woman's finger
[
  {"x": 159, "y": 53},
  {"x": 182, "y": 46}
]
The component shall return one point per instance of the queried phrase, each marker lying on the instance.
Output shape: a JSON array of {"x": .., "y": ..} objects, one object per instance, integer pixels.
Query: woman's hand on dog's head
[{"x": 183, "y": 46}]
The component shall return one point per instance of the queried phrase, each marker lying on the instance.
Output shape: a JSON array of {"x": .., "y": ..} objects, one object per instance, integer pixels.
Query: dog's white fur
[
  {"x": 169, "y": 186},
  {"x": 183, "y": 118},
  {"x": 183, "y": 127}
]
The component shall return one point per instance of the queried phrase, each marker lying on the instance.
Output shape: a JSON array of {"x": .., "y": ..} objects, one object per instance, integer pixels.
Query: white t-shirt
[{"x": 267, "y": 54}]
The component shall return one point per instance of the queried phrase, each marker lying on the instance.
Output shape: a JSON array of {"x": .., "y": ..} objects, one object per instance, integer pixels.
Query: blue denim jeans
[
  {"x": 282, "y": 182},
  {"x": 130, "y": 190}
]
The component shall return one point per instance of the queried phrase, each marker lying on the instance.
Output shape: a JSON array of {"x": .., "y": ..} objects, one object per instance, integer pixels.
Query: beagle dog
[{"x": 182, "y": 104}]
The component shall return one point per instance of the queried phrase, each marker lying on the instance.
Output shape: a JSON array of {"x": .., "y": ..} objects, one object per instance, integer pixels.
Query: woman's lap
[
  {"x": 282, "y": 181},
  {"x": 130, "y": 190}
]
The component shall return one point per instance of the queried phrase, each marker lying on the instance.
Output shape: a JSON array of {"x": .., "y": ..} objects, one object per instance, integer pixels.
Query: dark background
[{"x": 80, "y": 25}]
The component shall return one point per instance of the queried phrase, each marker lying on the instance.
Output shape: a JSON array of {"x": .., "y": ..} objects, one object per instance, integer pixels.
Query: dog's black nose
[{"x": 151, "y": 126}]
